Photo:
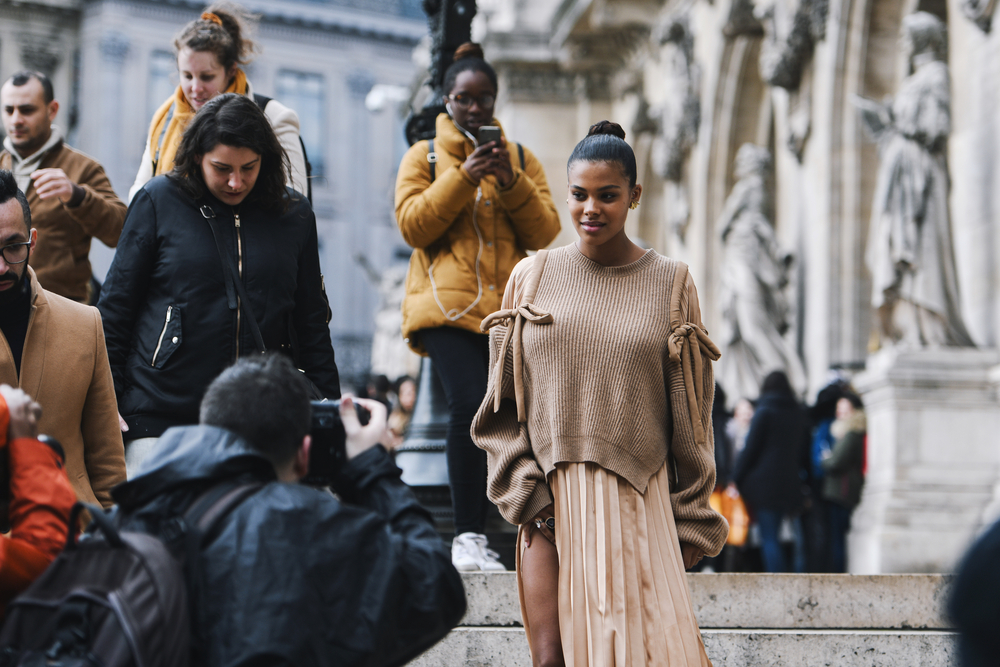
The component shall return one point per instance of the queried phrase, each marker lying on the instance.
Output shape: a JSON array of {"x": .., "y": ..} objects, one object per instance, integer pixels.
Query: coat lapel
[{"x": 33, "y": 357}]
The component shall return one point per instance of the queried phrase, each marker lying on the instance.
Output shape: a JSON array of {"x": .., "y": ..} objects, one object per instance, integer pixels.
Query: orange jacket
[
  {"x": 466, "y": 238},
  {"x": 41, "y": 500}
]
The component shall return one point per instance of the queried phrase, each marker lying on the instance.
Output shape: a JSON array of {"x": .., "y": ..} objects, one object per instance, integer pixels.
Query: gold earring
[{"x": 634, "y": 205}]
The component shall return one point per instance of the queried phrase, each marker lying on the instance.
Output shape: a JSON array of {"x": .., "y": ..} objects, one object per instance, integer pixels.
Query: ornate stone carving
[
  {"x": 115, "y": 47},
  {"x": 359, "y": 84},
  {"x": 678, "y": 115},
  {"x": 755, "y": 272},
  {"x": 537, "y": 84},
  {"x": 980, "y": 11},
  {"x": 910, "y": 255},
  {"x": 741, "y": 20},
  {"x": 37, "y": 53},
  {"x": 789, "y": 41}
]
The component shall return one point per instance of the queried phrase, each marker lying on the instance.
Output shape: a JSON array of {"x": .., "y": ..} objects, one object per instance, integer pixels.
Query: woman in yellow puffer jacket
[{"x": 469, "y": 224}]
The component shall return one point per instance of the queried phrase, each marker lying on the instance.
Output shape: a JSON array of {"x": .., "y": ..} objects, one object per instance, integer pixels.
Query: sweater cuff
[
  {"x": 708, "y": 535},
  {"x": 540, "y": 498}
]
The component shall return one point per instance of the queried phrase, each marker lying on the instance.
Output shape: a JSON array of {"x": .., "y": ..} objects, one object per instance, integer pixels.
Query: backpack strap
[
  {"x": 207, "y": 512},
  {"x": 233, "y": 282},
  {"x": 432, "y": 157},
  {"x": 520, "y": 154},
  {"x": 514, "y": 319},
  {"x": 261, "y": 100}
]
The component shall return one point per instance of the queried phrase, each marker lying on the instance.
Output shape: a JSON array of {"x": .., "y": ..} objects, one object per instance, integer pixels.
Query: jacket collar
[
  {"x": 33, "y": 354},
  {"x": 453, "y": 139},
  {"x": 186, "y": 454}
]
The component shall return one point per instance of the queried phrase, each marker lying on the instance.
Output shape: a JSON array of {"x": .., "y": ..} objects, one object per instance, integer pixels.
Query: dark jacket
[
  {"x": 167, "y": 320},
  {"x": 843, "y": 469},
  {"x": 295, "y": 576},
  {"x": 770, "y": 470},
  {"x": 972, "y": 605}
]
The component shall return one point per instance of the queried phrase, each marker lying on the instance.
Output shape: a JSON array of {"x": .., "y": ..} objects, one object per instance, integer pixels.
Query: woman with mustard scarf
[{"x": 210, "y": 51}]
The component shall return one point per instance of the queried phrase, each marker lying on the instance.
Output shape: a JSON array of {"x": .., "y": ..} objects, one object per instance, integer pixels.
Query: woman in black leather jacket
[{"x": 173, "y": 318}]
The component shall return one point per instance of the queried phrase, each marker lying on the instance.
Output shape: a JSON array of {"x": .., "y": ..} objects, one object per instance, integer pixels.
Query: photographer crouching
[
  {"x": 38, "y": 496},
  {"x": 294, "y": 575}
]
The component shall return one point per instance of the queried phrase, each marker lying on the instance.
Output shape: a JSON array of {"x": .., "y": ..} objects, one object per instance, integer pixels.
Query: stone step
[
  {"x": 773, "y": 601},
  {"x": 507, "y": 647}
]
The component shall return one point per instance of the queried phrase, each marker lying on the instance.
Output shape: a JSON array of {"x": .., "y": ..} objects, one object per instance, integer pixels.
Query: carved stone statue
[
  {"x": 979, "y": 11},
  {"x": 754, "y": 276},
  {"x": 915, "y": 285}
]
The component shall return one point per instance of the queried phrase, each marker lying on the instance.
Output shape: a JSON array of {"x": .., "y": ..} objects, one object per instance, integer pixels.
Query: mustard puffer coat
[{"x": 466, "y": 238}]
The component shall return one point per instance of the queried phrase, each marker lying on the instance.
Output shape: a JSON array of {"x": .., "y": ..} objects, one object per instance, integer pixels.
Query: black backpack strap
[
  {"x": 207, "y": 512},
  {"x": 233, "y": 281},
  {"x": 520, "y": 154},
  {"x": 261, "y": 100},
  {"x": 202, "y": 522},
  {"x": 432, "y": 157}
]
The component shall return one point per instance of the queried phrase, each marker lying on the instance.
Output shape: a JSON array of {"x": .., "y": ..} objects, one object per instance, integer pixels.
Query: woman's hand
[
  {"x": 545, "y": 513},
  {"x": 691, "y": 555},
  {"x": 501, "y": 169},
  {"x": 480, "y": 163}
]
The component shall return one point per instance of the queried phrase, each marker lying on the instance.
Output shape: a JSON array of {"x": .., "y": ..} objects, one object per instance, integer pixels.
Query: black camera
[{"x": 328, "y": 453}]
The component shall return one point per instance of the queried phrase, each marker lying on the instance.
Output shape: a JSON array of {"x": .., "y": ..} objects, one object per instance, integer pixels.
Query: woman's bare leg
[{"x": 540, "y": 581}]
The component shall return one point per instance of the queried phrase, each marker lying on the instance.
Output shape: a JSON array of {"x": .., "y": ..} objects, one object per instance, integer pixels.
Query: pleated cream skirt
[{"x": 623, "y": 597}]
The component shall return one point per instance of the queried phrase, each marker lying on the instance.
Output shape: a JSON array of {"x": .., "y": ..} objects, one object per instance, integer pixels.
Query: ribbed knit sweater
[{"x": 614, "y": 368}]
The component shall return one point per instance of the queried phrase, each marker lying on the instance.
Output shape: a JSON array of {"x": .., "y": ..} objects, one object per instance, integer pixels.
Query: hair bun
[
  {"x": 469, "y": 50},
  {"x": 607, "y": 127}
]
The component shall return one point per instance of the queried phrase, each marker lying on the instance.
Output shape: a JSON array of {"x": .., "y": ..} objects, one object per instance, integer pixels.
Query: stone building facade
[
  {"x": 692, "y": 81},
  {"x": 112, "y": 65}
]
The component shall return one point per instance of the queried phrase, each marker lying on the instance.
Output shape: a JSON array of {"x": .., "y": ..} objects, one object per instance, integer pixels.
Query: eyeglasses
[
  {"x": 465, "y": 101},
  {"x": 16, "y": 253}
]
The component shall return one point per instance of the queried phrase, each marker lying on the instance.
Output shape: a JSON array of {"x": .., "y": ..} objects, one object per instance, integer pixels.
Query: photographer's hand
[
  {"x": 362, "y": 438},
  {"x": 24, "y": 413}
]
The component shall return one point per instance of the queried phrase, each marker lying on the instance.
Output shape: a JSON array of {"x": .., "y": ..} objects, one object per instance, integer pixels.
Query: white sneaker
[{"x": 469, "y": 554}]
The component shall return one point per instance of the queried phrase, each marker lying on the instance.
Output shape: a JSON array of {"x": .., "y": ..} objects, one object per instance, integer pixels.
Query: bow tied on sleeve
[
  {"x": 514, "y": 319},
  {"x": 688, "y": 344}
]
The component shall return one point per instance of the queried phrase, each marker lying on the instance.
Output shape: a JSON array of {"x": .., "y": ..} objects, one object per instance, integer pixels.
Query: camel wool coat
[
  {"x": 467, "y": 238},
  {"x": 65, "y": 368}
]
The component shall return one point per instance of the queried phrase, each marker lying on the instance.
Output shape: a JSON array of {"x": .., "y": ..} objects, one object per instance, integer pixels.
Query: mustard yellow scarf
[{"x": 170, "y": 121}]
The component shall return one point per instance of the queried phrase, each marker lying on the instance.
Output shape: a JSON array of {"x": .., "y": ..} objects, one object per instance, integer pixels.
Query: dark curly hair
[
  {"x": 233, "y": 120},
  {"x": 605, "y": 142},
  {"x": 468, "y": 58}
]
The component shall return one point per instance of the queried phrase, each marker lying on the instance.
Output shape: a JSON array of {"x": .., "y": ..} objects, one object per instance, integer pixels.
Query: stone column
[{"x": 932, "y": 458}]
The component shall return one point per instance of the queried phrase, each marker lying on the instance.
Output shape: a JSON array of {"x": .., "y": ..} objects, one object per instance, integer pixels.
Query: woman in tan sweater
[{"x": 597, "y": 426}]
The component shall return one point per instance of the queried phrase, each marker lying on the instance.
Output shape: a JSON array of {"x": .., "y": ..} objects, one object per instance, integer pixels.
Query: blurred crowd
[{"x": 788, "y": 477}]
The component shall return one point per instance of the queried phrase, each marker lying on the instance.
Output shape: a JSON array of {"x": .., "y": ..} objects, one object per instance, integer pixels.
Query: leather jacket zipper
[
  {"x": 159, "y": 343},
  {"x": 239, "y": 266}
]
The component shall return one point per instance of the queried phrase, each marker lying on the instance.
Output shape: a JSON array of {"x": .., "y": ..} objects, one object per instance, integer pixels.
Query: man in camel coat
[{"x": 53, "y": 348}]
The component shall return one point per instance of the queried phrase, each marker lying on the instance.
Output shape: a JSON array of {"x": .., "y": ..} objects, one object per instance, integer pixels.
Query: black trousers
[{"x": 461, "y": 359}]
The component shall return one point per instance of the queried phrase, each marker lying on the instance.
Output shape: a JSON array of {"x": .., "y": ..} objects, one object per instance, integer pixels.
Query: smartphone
[{"x": 488, "y": 133}]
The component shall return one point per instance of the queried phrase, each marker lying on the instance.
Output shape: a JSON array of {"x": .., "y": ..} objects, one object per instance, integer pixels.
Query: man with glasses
[
  {"x": 70, "y": 196},
  {"x": 54, "y": 349}
]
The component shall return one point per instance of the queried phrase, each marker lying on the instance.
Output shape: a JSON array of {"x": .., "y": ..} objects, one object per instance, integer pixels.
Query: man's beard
[{"x": 17, "y": 289}]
